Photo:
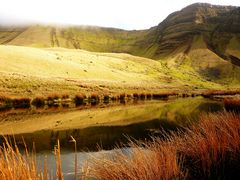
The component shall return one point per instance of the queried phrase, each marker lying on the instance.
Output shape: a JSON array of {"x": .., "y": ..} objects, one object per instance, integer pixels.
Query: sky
[{"x": 124, "y": 14}]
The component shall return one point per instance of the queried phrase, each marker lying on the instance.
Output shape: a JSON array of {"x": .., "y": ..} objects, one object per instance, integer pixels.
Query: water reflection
[{"x": 136, "y": 122}]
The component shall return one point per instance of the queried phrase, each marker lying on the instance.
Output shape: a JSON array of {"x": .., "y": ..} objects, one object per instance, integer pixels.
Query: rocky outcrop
[{"x": 217, "y": 24}]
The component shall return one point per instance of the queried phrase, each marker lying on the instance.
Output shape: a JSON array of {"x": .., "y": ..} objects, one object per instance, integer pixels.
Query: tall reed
[{"x": 208, "y": 150}]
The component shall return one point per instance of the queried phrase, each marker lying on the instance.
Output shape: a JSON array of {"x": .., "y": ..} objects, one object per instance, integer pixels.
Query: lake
[{"x": 100, "y": 127}]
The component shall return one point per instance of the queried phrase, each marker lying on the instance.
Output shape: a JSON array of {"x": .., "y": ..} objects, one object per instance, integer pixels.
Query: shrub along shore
[{"x": 65, "y": 100}]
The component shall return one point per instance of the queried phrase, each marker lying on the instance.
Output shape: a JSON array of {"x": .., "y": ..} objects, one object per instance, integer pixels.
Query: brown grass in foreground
[
  {"x": 208, "y": 150},
  {"x": 15, "y": 166},
  {"x": 155, "y": 161}
]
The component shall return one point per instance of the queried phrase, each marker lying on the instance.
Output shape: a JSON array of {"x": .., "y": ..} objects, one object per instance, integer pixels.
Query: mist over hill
[{"x": 201, "y": 40}]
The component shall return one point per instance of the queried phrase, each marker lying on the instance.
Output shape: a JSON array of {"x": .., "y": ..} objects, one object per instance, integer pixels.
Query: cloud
[{"x": 126, "y": 14}]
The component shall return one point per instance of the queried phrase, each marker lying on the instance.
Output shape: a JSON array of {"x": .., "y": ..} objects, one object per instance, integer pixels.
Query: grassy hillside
[
  {"x": 197, "y": 47},
  {"x": 219, "y": 26},
  {"x": 32, "y": 71},
  {"x": 90, "y": 38}
]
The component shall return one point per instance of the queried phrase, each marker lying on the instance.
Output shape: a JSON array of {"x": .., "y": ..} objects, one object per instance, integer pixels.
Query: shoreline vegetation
[
  {"x": 209, "y": 149},
  {"x": 65, "y": 100}
]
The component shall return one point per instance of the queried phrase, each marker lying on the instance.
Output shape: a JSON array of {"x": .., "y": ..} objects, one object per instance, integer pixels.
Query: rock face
[{"x": 217, "y": 24}]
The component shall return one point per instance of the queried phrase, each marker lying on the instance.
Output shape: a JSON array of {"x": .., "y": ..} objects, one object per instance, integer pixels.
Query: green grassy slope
[
  {"x": 201, "y": 66},
  {"x": 40, "y": 71},
  {"x": 27, "y": 70},
  {"x": 219, "y": 26},
  {"x": 90, "y": 38},
  {"x": 197, "y": 47}
]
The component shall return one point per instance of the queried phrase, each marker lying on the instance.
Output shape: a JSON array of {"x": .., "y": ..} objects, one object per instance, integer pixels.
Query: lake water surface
[{"x": 101, "y": 127}]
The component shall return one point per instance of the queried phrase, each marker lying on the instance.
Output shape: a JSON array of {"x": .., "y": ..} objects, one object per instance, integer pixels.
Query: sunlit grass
[{"x": 210, "y": 150}]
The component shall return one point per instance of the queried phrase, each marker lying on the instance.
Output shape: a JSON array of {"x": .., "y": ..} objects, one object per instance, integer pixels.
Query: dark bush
[
  {"x": 21, "y": 103},
  {"x": 79, "y": 99},
  {"x": 5, "y": 103},
  {"x": 51, "y": 100},
  {"x": 149, "y": 96},
  {"x": 94, "y": 99},
  {"x": 122, "y": 98},
  {"x": 160, "y": 96},
  {"x": 142, "y": 96},
  {"x": 231, "y": 104},
  {"x": 135, "y": 96},
  {"x": 38, "y": 102},
  {"x": 106, "y": 99}
]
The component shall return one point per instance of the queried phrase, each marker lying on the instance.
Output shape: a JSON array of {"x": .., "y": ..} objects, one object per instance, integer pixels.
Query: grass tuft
[
  {"x": 232, "y": 104},
  {"x": 5, "y": 103},
  {"x": 208, "y": 150},
  {"x": 52, "y": 100},
  {"x": 38, "y": 102},
  {"x": 106, "y": 98},
  {"x": 79, "y": 99},
  {"x": 21, "y": 103}
]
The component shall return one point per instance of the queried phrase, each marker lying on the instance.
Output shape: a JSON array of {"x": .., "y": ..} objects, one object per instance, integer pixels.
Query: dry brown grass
[
  {"x": 79, "y": 99},
  {"x": 142, "y": 96},
  {"x": 211, "y": 93},
  {"x": 5, "y": 103},
  {"x": 21, "y": 103},
  {"x": 15, "y": 166},
  {"x": 57, "y": 152},
  {"x": 38, "y": 102},
  {"x": 212, "y": 148},
  {"x": 153, "y": 162},
  {"x": 52, "y": 100},
  {"x": 94, "y": 98},
  {"x": 232, "y": 104},
  {"x": 208, "y": 150},
  {"x": 106, "y": 98},
  {"x": 135, "y": 96},
  {"x": 22, "y": 165}
]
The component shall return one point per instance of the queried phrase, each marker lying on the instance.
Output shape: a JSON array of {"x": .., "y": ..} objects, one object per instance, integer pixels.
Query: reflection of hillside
[{"x": 117, "y": 123}]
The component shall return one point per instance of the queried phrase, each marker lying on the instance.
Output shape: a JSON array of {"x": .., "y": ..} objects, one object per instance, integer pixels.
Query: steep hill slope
[
  {"x": 198, "y": 46},
  {"x": 219, "y": 26}
]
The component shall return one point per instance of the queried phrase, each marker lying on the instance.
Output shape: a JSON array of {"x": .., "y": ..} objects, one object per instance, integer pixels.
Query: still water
[{"x": 101, "y": 127}]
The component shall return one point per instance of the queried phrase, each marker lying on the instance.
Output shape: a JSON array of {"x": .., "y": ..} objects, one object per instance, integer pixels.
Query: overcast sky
[{"x": 125, "y": 14}]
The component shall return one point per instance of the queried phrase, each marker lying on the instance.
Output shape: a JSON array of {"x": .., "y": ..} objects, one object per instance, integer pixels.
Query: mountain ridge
[
  {"x": 176, "y": 30},
  {"x": 200, "y": 39}
]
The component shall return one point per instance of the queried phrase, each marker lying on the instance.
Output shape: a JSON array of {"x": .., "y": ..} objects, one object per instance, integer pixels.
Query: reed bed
[
  {"x": 106, "y": 98},
  {"x": 5, "y": 103},
  {"x": 79, "y": 99},
  {"x": 38, "y": 102},
  {"x": 21, "y": 103},
  {"x": 208, "y": 150},
  {"x": 211, "y": 93},
  {"x": 231, "y": 104},
  {"x": 143, "y": 163},
  {"x": 15, "y": 166},
  {"x": 94, "y": 98}
]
